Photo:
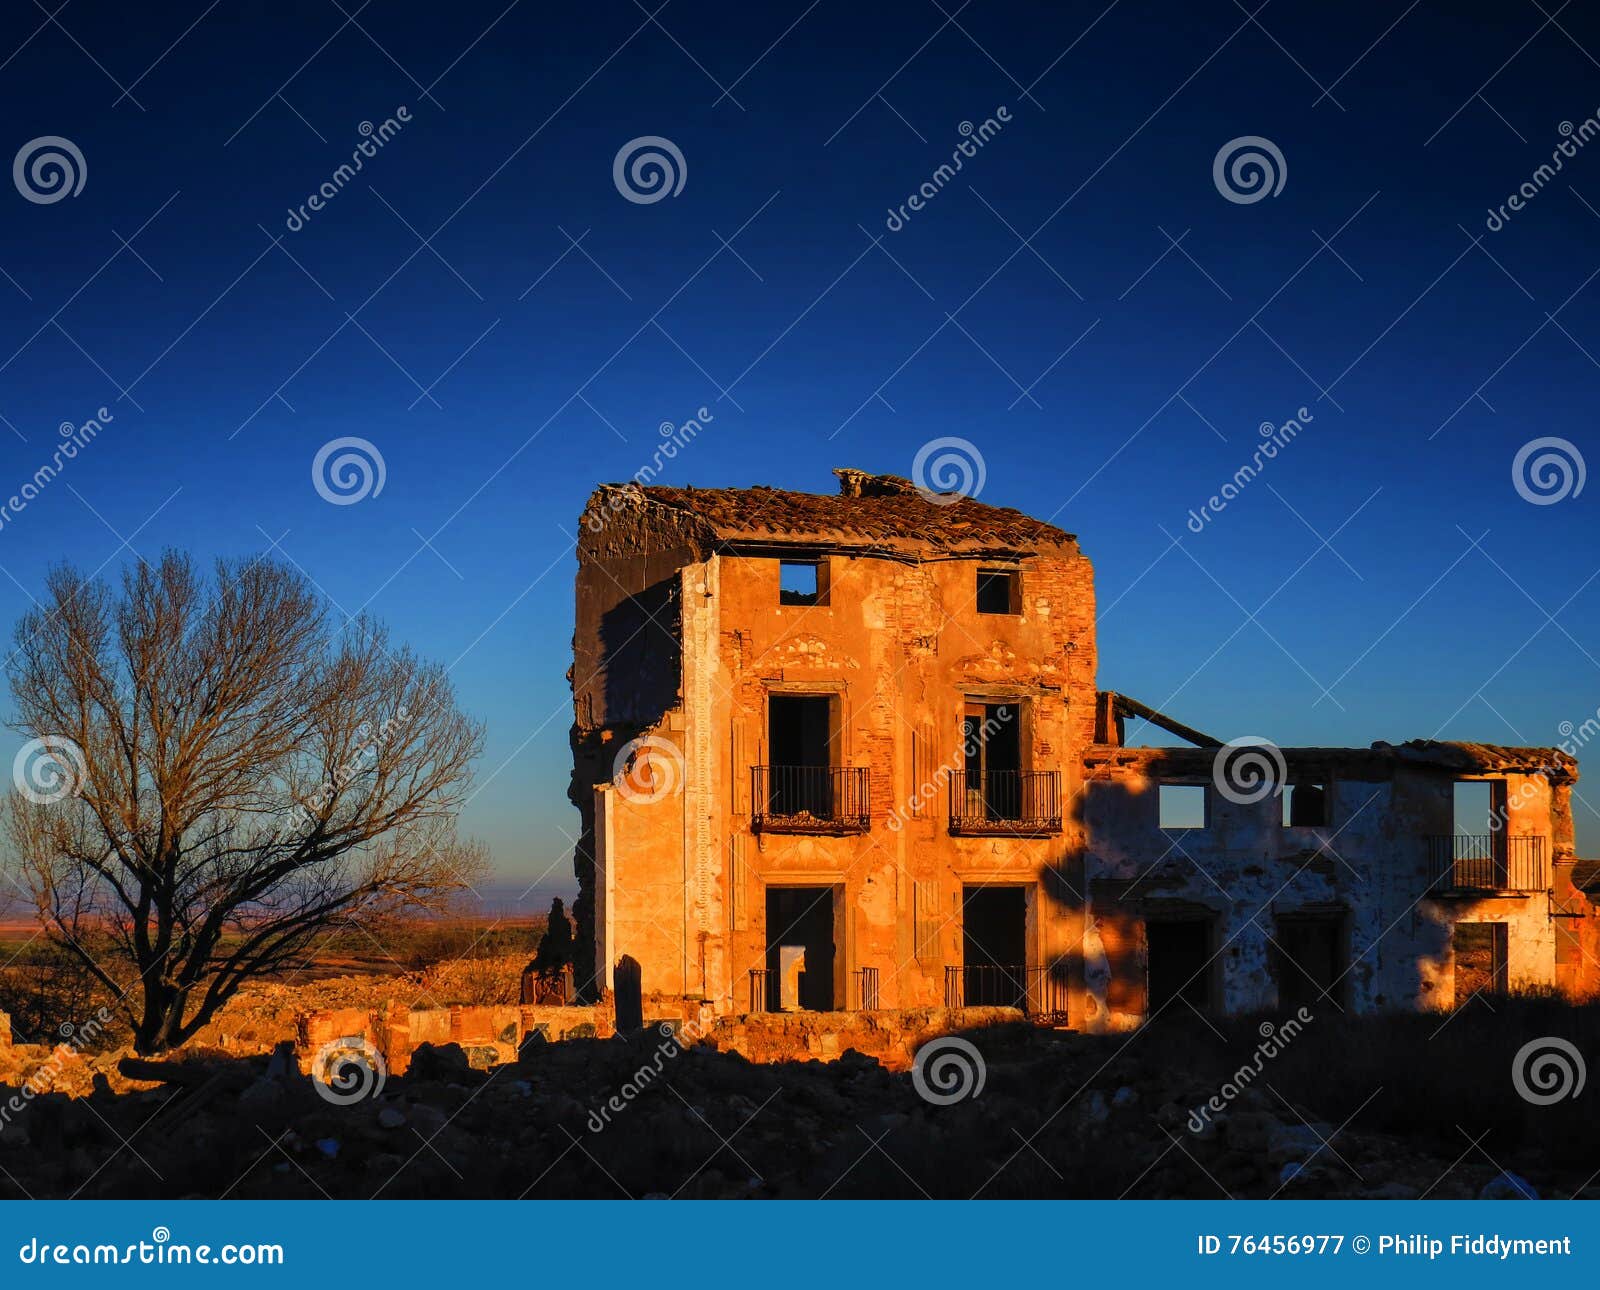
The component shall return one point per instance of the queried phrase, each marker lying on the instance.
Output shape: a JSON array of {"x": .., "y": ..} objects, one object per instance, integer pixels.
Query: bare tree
[{"x": 232, "y": 774}]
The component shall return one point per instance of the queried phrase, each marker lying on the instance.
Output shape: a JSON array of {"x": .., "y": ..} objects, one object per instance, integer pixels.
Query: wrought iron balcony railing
[
  {"x": 1006, "y": 801},
  {"x": 1487, "y": 862},
  {"x": 864, "y": 983},
  {"x": 760, "y": 988},
  {"x": 1038, "y": 992},
  {"x": 811, "y": 799}
]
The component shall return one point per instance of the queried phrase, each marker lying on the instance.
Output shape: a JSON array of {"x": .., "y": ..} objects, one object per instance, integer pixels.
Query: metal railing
[
  {"x": 811, "y": 799},
  {"x": 863, "y": 981},
  {"x": 1038, "y": 992},
  {"x": 1487, "y": 862},
  {"x": 1005, "y": 801},
  {"x": 758, "y": 990}
]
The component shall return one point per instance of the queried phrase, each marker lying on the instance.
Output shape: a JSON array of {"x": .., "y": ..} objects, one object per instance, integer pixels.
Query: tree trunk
[{"x": 160, "y": 1026}]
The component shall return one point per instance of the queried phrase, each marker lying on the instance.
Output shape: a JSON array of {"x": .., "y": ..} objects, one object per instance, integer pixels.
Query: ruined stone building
[{"x": 848, "y": 752}]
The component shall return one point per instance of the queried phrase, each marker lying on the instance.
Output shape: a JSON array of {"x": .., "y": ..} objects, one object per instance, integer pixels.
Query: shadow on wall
[
  {"x": 1258, "y": 932},
  {"x": 639, "y": 655}
]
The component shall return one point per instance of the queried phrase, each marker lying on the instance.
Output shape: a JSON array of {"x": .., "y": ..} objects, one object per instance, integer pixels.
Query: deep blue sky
[{"x": 1426, "y": 361}]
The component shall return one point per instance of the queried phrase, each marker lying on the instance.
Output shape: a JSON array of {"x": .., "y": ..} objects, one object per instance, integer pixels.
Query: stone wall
[
  {"x": 1368, "y": 869},
  {"x": 1575, "y": 916},
  {"x": 489, "y": 1035},
  {"x": 890, "y": 1035}
]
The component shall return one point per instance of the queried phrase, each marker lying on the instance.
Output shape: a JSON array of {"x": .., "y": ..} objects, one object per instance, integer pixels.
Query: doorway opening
[
  {"x": 1310, "y": 959},
  {"x": 800, "y": 738},
  {"x": 1178, "y": 953},
  {"x": 1480, "y": 959},
  {"x": 991, "y": 746},
  {"x": 801, "y": 918},
  {"x": 994, "y": 946}
]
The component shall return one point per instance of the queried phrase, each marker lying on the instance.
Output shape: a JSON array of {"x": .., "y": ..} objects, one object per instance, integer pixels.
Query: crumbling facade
[{"x": 848, "y": 752}]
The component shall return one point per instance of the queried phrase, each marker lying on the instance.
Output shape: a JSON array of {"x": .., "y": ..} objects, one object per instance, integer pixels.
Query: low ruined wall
[
  {"x": 489, "y": 1035},
  {"x": 492, "y": 1035},
  {"x": 890, "y": 1035}
]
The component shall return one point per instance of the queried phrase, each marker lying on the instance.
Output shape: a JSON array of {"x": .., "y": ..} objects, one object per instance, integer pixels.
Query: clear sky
[{"x": 1081, "y": 302}]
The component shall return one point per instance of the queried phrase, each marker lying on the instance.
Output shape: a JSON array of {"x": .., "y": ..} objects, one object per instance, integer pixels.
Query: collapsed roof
[
  {"x": 1378, "y": 761},
  {"x": 875, "y": 512}
]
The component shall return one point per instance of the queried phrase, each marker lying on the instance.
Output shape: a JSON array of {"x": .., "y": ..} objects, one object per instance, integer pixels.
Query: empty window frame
[
  {"x": 1473, "y": 807},
  {"x": 802, "y": 582},
  {"x": 1182, "y": 806},
  {"x": 1307, "y": 804},
  {"x": 999, "y": 591}
]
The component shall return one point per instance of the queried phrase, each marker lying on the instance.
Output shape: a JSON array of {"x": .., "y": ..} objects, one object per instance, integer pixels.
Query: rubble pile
[{"x": 1054, "y": 1114}]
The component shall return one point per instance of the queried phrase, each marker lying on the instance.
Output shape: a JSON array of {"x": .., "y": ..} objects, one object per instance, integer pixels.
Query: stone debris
[{"x": 708, "y": 1123}]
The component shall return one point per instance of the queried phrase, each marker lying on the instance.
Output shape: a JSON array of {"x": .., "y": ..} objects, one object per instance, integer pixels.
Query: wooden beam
[{"x": 1126, "y": 707}]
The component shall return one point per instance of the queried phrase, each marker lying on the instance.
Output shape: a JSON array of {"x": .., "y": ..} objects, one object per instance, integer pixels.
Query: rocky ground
[{"x": 1058, "y": 1114}]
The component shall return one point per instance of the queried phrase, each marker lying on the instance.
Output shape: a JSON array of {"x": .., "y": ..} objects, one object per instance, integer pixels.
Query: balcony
[
  {"x": 1463, "y": 862},
  {"x": 810, "y": 799},
  {"x": 1037, "y": 992},
  {"x": 863, "y": 990},
  {"x": 1022, "y": 803}
]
